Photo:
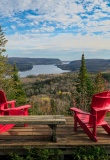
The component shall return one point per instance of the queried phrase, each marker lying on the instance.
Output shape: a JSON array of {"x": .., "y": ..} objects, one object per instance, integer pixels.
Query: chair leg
[
  {"x": 75, "y": 123},
  {"x": 25, "y": 125},
  {"x": 6, "y": 127},
  {"x": 1, "y": 126},
  {"x": 87, "y": 131},
  {"x": 107, "y": 128}
]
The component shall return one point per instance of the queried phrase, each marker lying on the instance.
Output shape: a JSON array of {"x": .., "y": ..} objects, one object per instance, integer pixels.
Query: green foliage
[
  {"x": 37, "y": 154},
  {"x": 3, "y": 41},
  {"x": 61, "y": 89},
  {"x": 80, "y": 153},
  {"x": 90, "y": 153},
  {"x": 5, "y": 68},
  {"x": 18, "y": 92},
  {"x": 53, "y": 106},
  {"x": 9, "y": 79},
  {"x": 84, "y": 87},
  {"x": 84, "y": 81},
  {"x": 15, "y": 156},
  {"x": 99, "y": 83},
  {"x": 35, "y": 108},
  {"x": 83, "y": 72},
  {"x": 106, "y": 76},
  {"x": 50, "y": 94}
]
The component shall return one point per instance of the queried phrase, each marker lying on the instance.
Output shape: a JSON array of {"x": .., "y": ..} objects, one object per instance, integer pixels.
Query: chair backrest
[
  {"x": 100, "y": 100},
  {"x": 3, "y": 99}
]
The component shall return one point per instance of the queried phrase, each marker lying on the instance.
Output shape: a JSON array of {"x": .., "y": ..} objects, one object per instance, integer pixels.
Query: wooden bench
[{"x": 51, "y": 120}]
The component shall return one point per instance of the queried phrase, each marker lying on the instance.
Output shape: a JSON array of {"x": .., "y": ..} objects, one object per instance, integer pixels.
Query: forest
[{"x": 56, "y": 93}]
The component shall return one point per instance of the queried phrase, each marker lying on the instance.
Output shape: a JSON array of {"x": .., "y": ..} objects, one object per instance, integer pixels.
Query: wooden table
[{"x": 51, "y": 120}]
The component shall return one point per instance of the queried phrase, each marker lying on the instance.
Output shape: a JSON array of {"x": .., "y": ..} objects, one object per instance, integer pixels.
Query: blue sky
[{"x": 61, "y": 29}]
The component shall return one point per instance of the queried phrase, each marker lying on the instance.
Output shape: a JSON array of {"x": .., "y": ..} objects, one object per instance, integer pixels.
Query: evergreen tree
[
  {"x": 5, "y": 68},
  {"x": 3, "y": 41},
  {"x": 9, "y": 78},
  {"x": 18, "y": 91},
  {"x": 84, "y": 87},
  {"x": 82, "y": 76},
  {"x": 84, "y": 82}
]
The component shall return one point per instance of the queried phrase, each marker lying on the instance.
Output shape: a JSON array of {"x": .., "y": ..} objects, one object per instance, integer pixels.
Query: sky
[{"x": 63, "y": 29}]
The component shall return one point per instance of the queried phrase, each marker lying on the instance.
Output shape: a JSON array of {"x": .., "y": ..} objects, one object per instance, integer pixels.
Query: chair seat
[{"x": 85, "y": 119}]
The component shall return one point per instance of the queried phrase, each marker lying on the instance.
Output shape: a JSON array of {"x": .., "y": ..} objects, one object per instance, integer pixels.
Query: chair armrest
[
  {"x": 102, "y": 109},
  {"x": 9, "y": 102},
  {"x": 17, "y": 108},
  {"x": 23, "y": 107},
  {"x": 77, "y": 110}
]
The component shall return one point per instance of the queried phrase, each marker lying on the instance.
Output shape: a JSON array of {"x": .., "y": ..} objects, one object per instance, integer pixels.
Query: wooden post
[{"x": 54, "y": 128}]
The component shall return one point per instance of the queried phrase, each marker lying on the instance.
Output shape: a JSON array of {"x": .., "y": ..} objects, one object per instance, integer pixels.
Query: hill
[
  {"x": 24, "y": 64},
  {"x": 93, "y": 65}
]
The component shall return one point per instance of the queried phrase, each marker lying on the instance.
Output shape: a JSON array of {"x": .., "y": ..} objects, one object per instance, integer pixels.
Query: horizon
[
  {"x": 56, "y": 29},
  {"x": 58, "y": 58}
]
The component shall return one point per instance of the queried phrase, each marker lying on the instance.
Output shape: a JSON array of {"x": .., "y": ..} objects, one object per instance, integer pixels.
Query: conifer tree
[
  {"x": 82, "y": 76},
  {"x": 84, "y": 87},
  {"x": 5, "y": 67},
  {"x": 84, "y": 82},
  {"x": 3, "y": 41},
  {"x": 18, "y": 91},
  {"x": 9, "y": 78}
]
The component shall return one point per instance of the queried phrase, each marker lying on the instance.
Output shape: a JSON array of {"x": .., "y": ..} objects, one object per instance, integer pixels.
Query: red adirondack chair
[
  {"x": 90, "y": 121},
  {"x": 9, "y": 108}
]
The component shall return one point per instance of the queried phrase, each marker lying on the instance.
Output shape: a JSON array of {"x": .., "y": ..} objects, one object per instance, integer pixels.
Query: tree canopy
[
  {"x": 5, "y": 67},
  {"x": 18, "y": 91},
  {"x": 9, "y": 79}
]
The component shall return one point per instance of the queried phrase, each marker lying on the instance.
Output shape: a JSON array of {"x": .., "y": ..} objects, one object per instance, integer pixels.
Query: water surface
[{"x": 42, "y": 69}]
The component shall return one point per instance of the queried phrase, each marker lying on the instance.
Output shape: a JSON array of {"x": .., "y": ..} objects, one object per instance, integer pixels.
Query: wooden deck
[{"x": 37, "y": 136}]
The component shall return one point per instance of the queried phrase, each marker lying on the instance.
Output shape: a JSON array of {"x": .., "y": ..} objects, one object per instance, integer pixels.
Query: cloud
[
  {"x": 60, "y": 14},
  {"x": 59, "y": 42},
  {"x": 64, "y": 25}
]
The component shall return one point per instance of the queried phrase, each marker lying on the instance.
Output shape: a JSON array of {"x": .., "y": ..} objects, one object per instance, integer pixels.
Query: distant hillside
[
  {"x": 93, "y": 65},
  {"x": 24, "y": 64}
]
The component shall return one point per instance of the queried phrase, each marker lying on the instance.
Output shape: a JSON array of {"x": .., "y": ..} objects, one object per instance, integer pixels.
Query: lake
[{"x": 42, "y": 69}]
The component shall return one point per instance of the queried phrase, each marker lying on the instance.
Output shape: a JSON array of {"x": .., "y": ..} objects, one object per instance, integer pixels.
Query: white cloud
[
  {"x": 62, "y": 42},
  {"x": 13, "y": 27},
  {"x": 63, "y": 12},
  {"x": 61, "y": 15}
]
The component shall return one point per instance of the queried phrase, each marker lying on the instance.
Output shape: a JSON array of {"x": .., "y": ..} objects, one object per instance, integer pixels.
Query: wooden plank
[
  {"x": 35, "y": 117},
  {"x": 39, "y": 136},
  {"x": 45, "y": 119},
  {"x": 51, "y": 120}
]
